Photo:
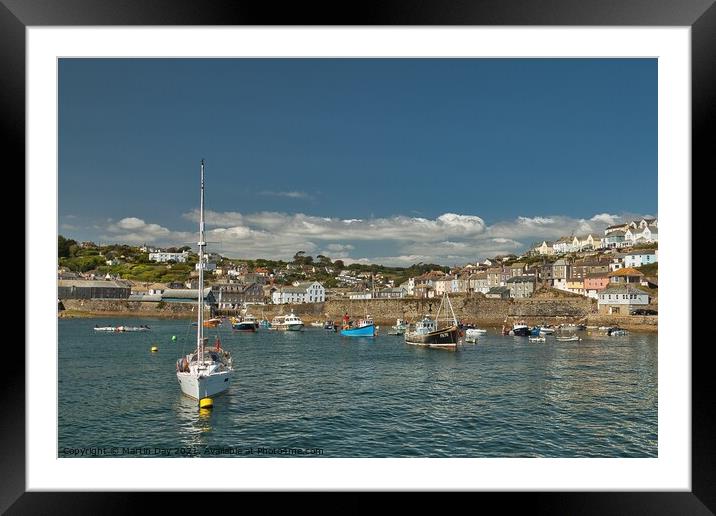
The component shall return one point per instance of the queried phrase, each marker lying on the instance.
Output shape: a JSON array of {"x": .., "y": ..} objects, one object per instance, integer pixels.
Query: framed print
[{"x": 397, "y": 160}]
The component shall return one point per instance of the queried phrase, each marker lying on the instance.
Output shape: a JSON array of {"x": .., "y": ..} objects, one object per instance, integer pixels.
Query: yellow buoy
[
  {"x": 206, "y": 403},
  {"x": 154, "y": 349}
]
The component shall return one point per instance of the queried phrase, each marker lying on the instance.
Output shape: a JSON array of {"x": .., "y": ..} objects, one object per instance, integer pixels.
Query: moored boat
[
  {"x": 398, "y": 328},
  {"x": 537, "y": 339},
  {"x": 363, "y": 328},
  {"x": 207, "y": 371},
  {"x": 246, "y": 323},
  {"x": 212, "y": 323},
  {"x": 290, "y": 322},
  {"x": 570, "y": 338},
  {"x": 121, "y": 329},
  {"x": 472, "y": 334},
  {"x": 429, "y": 334}
]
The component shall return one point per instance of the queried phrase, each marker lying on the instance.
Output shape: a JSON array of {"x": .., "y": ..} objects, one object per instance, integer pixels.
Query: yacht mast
[{"x": 202, "y": 244}]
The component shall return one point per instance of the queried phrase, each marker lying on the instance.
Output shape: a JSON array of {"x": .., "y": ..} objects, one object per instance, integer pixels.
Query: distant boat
[
  {"x": 363, "y": 328},
  {"x": 329, "y": 326},
  {"x": 472, "y": 334},
  {"x": 537, "y": 339},
  {"x": 317, "y": 324},
  {"x": 617, "y": 332},
  {"x": 246, "y": 323},
  {"x": 121, "y": 329},
  {"x": 571, "y": 338},
  {"x": 265, "y": 324},
  {"x": 212, "y": 323},
  {"x": 428, "y": 332},
  {"x": 289, "y": 322},
  {"x": 519, "y": 329},
  {"x": 399, "y": 328}
]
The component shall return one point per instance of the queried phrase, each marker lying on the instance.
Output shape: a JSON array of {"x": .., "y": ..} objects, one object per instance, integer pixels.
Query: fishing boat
[
  {"x": 519, "y": 329},
  {"x": 290, "y": 322},
  {"x": 434, "y": 333},
  {"x": 537, "y": 339},
  {"x": 570, "y": 338},
  {"x": 362, "y": 328},
  {"x": 398, "y": 328},
  {"x": 207, "y": 371},
  {"x": 246, "y": 323}
]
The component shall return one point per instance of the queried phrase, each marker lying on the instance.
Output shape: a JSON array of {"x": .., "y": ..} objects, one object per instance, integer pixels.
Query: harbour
[{"x": 358, "y": 397}]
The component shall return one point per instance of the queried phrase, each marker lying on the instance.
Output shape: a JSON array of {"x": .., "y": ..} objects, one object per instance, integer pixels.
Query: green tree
[{"x": 63, "y": 246}]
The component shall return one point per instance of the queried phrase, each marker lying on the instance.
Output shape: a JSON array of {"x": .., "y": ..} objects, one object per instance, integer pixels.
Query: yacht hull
[{"x": 198, "y": 387}]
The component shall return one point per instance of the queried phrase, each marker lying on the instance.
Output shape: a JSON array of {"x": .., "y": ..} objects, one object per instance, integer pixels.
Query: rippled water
[{"x": 315, "y": 390}]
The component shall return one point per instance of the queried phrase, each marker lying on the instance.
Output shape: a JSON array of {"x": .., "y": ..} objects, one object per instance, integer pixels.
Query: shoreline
[{"x": 594, "y": 320}]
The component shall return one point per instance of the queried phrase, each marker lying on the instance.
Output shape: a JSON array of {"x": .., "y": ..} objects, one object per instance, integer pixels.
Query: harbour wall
[
  {"x": 470, "y": 309},
  {"x": 124, "y": 308}
]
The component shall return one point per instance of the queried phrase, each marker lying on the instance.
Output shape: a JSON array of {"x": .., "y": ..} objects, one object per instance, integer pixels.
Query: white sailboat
[{"x": 207, "y": 371}]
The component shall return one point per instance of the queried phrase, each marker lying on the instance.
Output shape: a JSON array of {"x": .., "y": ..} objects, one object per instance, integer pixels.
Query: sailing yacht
[
  {"x": 207, "y": 371},
  {"x": 429, "y": 333}
]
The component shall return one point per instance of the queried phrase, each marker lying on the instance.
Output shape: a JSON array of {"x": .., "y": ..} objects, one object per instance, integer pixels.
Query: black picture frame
[{"x": 700, "y": 15}]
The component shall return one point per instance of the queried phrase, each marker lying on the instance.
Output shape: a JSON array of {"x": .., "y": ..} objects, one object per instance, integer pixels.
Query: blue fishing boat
[{"x": 364, "y": 328}]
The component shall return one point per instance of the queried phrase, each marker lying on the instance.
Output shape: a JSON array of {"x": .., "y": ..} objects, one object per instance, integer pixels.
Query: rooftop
[
  {"x": 521, "y": 279},
  {"x": 626, "y": 271},
  {"x": 623, "y": 289},
  {"x": 92, "y": 283}
]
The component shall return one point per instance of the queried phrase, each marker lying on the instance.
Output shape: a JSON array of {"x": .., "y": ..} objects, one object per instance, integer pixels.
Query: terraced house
[{"x": 306, "y": 292}]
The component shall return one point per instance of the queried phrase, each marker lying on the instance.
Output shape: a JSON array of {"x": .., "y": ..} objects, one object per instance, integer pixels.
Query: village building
[
  {"x": 306, "y": 292},
  {"x": 621, "y": 299},
  {"x": 521, "y": 286}
]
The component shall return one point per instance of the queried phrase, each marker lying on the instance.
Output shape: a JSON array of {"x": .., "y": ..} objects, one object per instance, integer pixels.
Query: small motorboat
[
  {"x": 570, "y": 338},
  {"x": 472, "y": 334},
  {"x": 537, "y": 339},
  {"x": 617, "y": 332},
  {"x": 212, "y": 323},
  {"x": 399, "y": 327}
]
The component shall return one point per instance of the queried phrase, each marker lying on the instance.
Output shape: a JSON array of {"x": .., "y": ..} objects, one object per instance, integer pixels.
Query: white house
[
  {"x": 616, "y": 263},
  {"x": 409, "y": 286},
  {"x": 545, "y": 248},
  {"x": 621, "y": 299},
  {"x": 165, "y": 257},
  {"x": 306, "y": 292},
  {"x": 639, "y": 258},
  {"x": 564, "y": 245}
]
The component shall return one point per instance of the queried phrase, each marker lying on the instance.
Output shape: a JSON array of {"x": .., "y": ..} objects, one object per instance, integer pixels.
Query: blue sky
[{"x": 444, "y": 160}]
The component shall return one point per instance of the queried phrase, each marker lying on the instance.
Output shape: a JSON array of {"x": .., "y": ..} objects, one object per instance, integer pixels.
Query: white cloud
[
  {"x": 447, "y": 239},
  {"x": 606, "y": 218},
  {"x": 339, "y": 247},
  {"x": 135, "y": 231},
  {"x": 292, "y": 195}
]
